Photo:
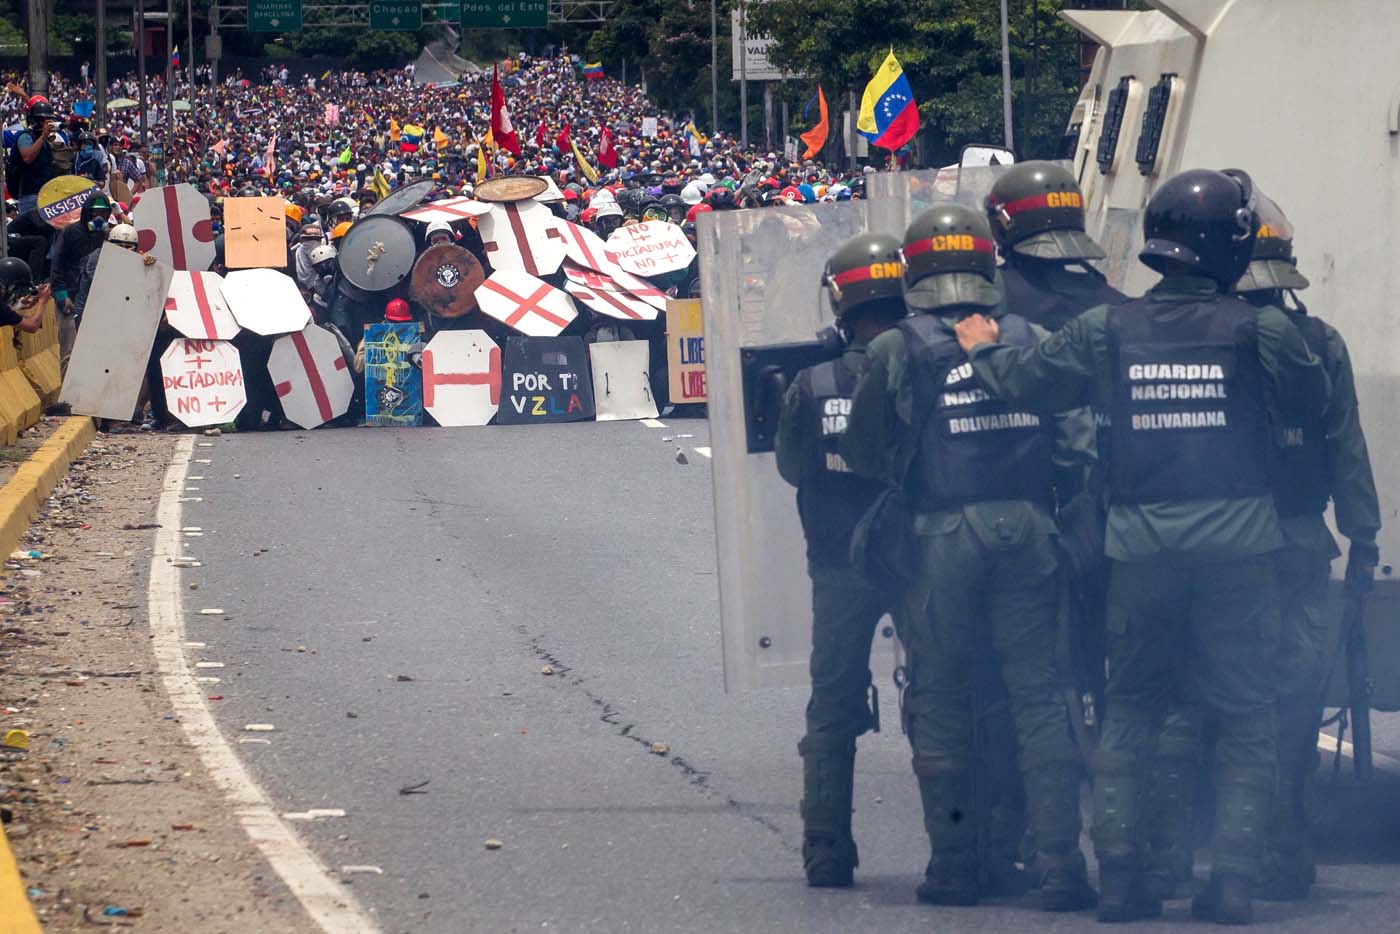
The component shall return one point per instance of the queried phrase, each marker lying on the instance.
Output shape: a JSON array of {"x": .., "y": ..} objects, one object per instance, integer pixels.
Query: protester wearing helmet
[
  {"x": 322, "y": 280},
  {"x": 76, "y": 241},
  {"x": 972, "y": 468},
  {"x": 440, "y": 232},
  {"x": 30, "y": 160},
  {"x": 1193, "y": 378},
  {"x": 21, "y": 305},
  {"x": 862, "y": 282}
]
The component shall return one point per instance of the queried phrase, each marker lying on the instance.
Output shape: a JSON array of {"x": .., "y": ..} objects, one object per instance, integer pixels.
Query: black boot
[
  {"x": 829, "y": 854},
  {"x": 951, "y": 876},
  {"x": 949, "y": 879},
  {"x": 1226, "y": 901},
  {"x": 1123, "y": 894}
]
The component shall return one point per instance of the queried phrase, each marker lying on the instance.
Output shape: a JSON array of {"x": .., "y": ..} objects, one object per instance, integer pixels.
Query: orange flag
[{"x": 815, "y": 138}]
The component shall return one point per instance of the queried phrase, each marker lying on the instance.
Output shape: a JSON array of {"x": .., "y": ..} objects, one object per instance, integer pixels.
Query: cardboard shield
[
  {"x": 461, "y": 378},
  {"x": 255, "y": 233},
  {"x": 621, "y": 381},
  {"x": 377, "y": 253},
  {"x": 522, "y": 236},
  {"x": 203, "y": 381},
  {"x": 617, "y": 281},
  {"x": 265, "y": 301},
  {"x": 108, "y": 364},
  {"x": 401, "y": 200},
  {"x": 611, "y": 302},
  {"x": 61, "y": 199},
  {"x": 447, "y": 210},
  {"x": 393, "y": 381},
  {"x": 585, "y": 248},
  {"x": 445, "y": 280},
  {"x": 651, "y": 249},
  {"x": 531, "y": 306},
  {"x": 685, "y": 350},
  {"x": 310, "y": 376},
  {"x": 173, "y": 225},
  {"x": 546, "y": 380},
  {"x": 196, "y": 308}
]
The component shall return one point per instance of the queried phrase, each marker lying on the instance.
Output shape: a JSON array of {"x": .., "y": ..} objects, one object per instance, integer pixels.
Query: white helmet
[
  {"x": 125, "y": 234},
  {"x": 691, "y": 193},
  {"x": 322, "y": 253},
  {"x": 442, "y": 227}
]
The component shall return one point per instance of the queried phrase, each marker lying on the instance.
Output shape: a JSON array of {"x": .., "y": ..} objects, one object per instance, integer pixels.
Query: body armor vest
[
  {"x": 831, "y": 499},
  {"x": 972, "y": 447},
  {"x": 1188, "y": 412},
  {"x": 1303, "y": 479}
]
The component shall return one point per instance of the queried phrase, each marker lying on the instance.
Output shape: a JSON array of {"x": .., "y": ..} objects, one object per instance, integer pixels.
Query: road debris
[
  {"x": 493, "y": 844},
  {"x": 415, "y": 789}
]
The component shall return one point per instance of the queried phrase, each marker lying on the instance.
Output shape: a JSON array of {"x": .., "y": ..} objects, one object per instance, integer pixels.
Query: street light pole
[
  {"x": 170, "y": 76},
  {"x": 1006, "y": 79},
  {"x": 38, "y": 47},
  {"x": 100, "y": 62},
  {"x": 141, "y": 64},
  {"x": 714, "y": 67},
  {"x": 743, "y": 77}
]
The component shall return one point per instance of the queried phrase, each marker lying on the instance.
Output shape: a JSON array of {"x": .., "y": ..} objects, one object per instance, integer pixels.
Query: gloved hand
[{"x": 1361, "y": 567}]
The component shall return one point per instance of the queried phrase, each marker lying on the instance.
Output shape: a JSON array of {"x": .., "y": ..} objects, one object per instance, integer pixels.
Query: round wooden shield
[
  {"x": 445, "y": 279},
  {"x": 510, "y": 188}
]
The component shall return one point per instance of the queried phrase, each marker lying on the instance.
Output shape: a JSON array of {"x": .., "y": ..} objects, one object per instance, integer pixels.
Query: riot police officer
[
  {"x": 863, "y": 280},
  {"x": 1189, "y": 374},
  {"x": 1320, "y": 459},
  {"x": 980, "y": 478},
  {"x": 1036, "y": 211}
]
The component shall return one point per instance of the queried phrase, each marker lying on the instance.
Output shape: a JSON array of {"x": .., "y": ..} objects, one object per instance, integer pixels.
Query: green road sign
[
  {"x": 402, "y": 15},
  {"x": 274, "y": 15},
  {"x": 505, "y": 14}
]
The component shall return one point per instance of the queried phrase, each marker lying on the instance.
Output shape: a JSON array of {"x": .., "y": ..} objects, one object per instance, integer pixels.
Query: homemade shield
[
  {"x": 445, "y": 280},
  {"x": 310, "y": 376},
  {"x": 447, "y": 210},
  {"x": 393, "y": 381},
  {"x": 265, "y": 301},
  {"x": 611, "y": 302},
  {"x": 511, "y": 188},
  {"x": 651, "y": 249},
  {"x": 196, "y": 308},
  {"x": 61, "y": 199},
  {"x": 523, "y": 236},
  {"x": 173, "y": 225},
  {"x": 546, "y": 380},
  {"x": 401, "y": 200},
  {"x": 203, "y": 381},
  {"x": 461, "y": 378},
  {"x": 585, "y": 248},
  {"x": 762, "y": 287},
  {"x": 376, "y": 254},
  {"x": 621, "y": 380},
  {"x": 108, "y": 364},
  {"x": 255, "y": 232},
  {"x": 617, "y": 280},
  {"x": 531, "y": 306}
]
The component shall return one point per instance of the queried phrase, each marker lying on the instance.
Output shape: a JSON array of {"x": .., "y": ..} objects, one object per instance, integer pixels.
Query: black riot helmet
[
  {"x": 1201, "y": 222},
  {"x": 41, "y": 111},
  {"x": 949, "y": 260},
  {"x": 675, "y": 207},
  {"x": 16, "y": 279},
  {"x": 1272, "y": 266},
  {"x": 1037, "y": 210},
  {"x": 864, "y": 272}
]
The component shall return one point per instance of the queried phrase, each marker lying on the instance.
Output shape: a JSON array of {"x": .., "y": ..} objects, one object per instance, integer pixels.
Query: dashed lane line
[
  {"x": 325, "y": 900},
  {"x": 652, "y": 423}
]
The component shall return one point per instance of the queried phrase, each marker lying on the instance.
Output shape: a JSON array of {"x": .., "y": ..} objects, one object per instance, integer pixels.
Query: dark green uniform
[
  {"x": 845, "y": 609},
  {"x": 1322, "y": 458},
  {"x": 1186, "y": 374},
  {"x": 980, "y": 476}
]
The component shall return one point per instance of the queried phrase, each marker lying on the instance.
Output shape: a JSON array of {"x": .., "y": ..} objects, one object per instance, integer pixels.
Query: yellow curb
[{"x": 20, "y": 500}]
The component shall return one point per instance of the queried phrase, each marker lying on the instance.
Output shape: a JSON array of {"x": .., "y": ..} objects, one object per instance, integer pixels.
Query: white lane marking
[
  {"x": 653, "y": 423},
  {"x": 703, "y": 452},
  {"x": 1328, "y": 743},
  {"x": 324, "y": 897}
]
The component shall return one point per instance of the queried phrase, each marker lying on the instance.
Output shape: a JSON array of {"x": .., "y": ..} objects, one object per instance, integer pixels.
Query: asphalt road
[{"x": 390, "y": 600}]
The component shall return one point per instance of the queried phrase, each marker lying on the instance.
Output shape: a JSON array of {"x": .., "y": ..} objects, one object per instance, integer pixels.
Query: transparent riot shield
[{"x": 763, "y": 306}]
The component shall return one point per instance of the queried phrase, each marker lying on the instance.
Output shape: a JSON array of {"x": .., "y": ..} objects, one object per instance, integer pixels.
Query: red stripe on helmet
[
  {"x": 918, "y": 247},
  {"x": 863, "y": 274},
  {"x": 1036, "y": 202}
]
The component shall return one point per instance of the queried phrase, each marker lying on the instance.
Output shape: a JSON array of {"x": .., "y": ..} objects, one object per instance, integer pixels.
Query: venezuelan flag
[
  {"x": 594, "y": 71},
  {"x": 889, "y": 118},
  {"x": 410, "y": 137}
]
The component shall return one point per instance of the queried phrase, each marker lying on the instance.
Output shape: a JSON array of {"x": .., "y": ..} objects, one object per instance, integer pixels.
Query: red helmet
[
  {"x": 587, "y": 215},
  {"x": 695, "y": 209},
  {"x": 397, "y": 310}
]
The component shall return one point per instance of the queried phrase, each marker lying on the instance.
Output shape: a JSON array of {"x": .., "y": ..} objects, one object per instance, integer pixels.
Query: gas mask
[{"x": 98, "y": 223}]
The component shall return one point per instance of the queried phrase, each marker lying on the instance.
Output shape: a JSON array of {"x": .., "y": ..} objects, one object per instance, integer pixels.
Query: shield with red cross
[
  {"x": 196, "y": 308},
  {"x": 173, "y": 225},
  {"x": 310, "y": 376},
  {"x": 530, "y": 305},
  {"x": 585, "y": 248},
  {"x": 651, "y": 249},
  {"x": 522, "y": 236},
  {"x": 203, "y": 381},
  {"x": 614, "y": 303},
  {"x": 461, "y": 378},
  {"x": 447, "y": 210},
  {"x": 617, "y": 280}
]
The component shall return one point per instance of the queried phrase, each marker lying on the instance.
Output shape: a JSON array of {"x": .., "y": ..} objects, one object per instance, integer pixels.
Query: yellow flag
[
  {"x": 481, "y": 163},
  {"x": 440, "y": 139},
  {"x": 395, "y": 131},
  {"x": 588, "y": 171},
  {"x": 379, "y": 185}
]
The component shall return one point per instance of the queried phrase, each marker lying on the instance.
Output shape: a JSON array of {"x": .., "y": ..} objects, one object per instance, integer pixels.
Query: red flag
[
  {"x": 541, "y": 135},
  {"x": 501, "y": 127},
  {"x": 607, "y": 153},
  {"x": 815, "y": 138},
  {"x": 562, "y": 140}
]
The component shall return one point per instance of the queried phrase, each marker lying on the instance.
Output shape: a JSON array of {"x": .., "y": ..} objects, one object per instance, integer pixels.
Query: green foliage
[{"x": 951, "y": 53}]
